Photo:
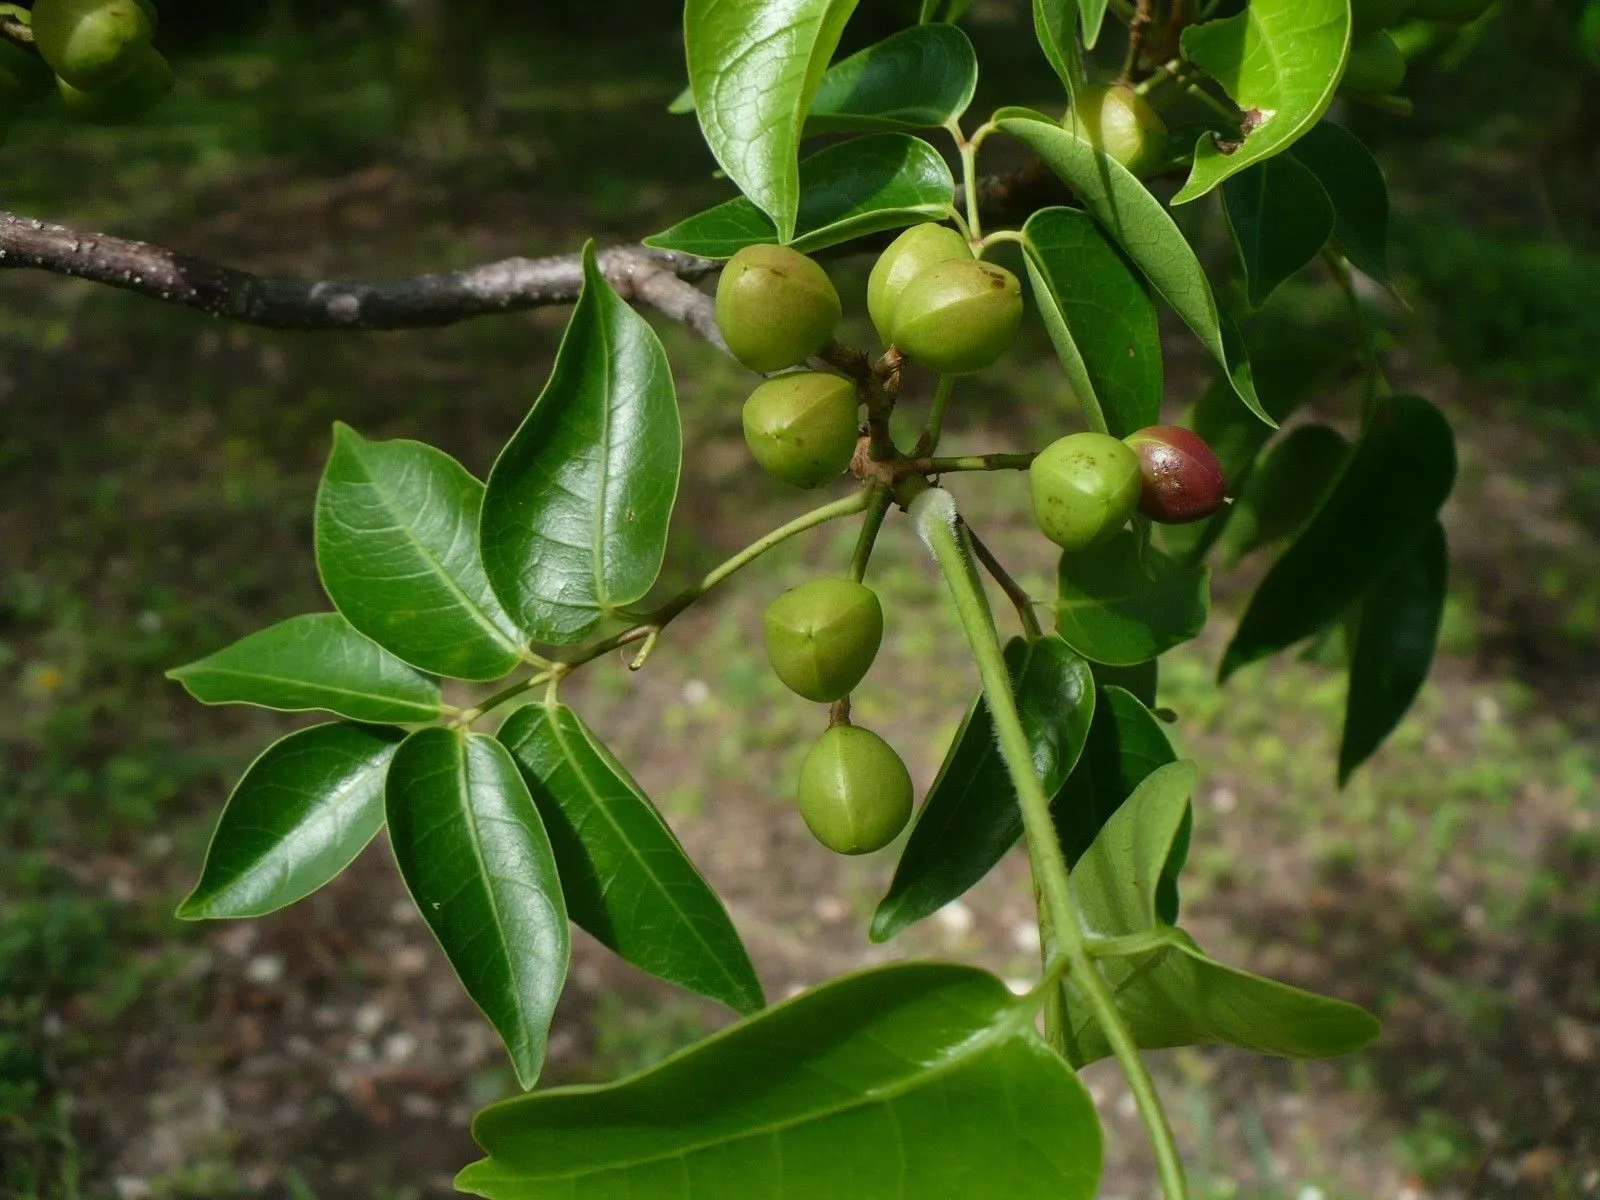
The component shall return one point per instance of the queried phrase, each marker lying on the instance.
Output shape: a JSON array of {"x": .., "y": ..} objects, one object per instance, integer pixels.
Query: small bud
[{"x": 91, "y": 43}]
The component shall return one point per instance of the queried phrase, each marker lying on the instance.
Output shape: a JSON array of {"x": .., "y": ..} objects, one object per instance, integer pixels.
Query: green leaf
[
  {"x": 1280, "y": 60},
  {"x": 1142, "y": 227},
  {"x": 579, "y": 502},
  {"x": 313, "y": 662},
  {"x": 1354, "y": 183},
  {"x": 300, "y": 815},
  {"x": 1126, "y": 745},
  {"x": 1394, "y": 641},
  {"x": 863, "y": 186},
  {"x": 1286, "y": 488},
  {"x": 909, "y": 1082},
  {"x": 1055, "y": 24},
  {"x": 971, "y": 817},
  {"x": 920, "y": 78},
  {"x": 1140, "y": 680},
  {"x": 1121, "y": 606},
  {"x": 754, "y": 66},
  {"x": 683, "y": 103},
  {"x": 1094, "y": 15},
  {"x": 1099, "y": 316},
  {"x": 474, "y": 854},
  {"x": 1280, "y": 218},
  {"x": 625, "y": 877},
  {"x": 1175, "y": 995},
  {"x": 397, "y": 548},
  {"x": 1397, "y": 479}
]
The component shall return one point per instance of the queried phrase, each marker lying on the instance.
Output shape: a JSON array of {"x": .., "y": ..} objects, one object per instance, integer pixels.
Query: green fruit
[
  {"x": 775, "y": 307},
  {"x": 1367, "y": 15},
  {"x": 1376, "y": 66},
  {"x": 1120, "y": 122},
  {"x": 957, "y": 316},
  {"x": 147, "y": 85},
  {"x": 91, "y": 43},
  {"x": 1085, "y": 487},
  {"x": 855, "y": 793},
  {"x": 802, "y": 427},
  {"x": 908, "y": 256},
  {"x": 822, "y": 637},
  {"x": 150, "y": 15},
  {"x": 1451, "y": 12}
]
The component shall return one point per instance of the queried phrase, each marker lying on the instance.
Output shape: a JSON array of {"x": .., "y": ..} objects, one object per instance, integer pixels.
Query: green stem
[
  {"x": 651, "y": 624},
  {"x": 999, "y": 236},
  {"x": 934, "y": 516},
  {"x": 877, "y": 509},
  {"x": 468, "y": 716},
  {"x": 934, "y": 429},
  {"x": 1015, "y": 592},
  {"x": 1377, "y": 381},
  {"x": 970, "y": 462},
  {"x": 968, "y": 149}
]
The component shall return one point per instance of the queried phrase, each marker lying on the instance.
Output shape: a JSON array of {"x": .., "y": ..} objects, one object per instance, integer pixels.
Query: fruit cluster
[
  {"x": 96, "y": 53},
  {"x": 932, "y": 302}
]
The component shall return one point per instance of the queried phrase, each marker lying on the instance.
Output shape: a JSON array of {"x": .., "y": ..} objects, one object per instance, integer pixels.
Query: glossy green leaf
[
  {"x": 1175, "y": 995},
  {"x": 579, "y": 502},
  {"x": 971, "y": 817},
  {"x": 754, "y": 66},
  {"x": 1118, "y": 606},
  {"x": 313, "y": 662},
  {"x": 911, "y": 1082},
  {"x": 625, "y": 877},
  {"x": 1354, "y": 183},
  {"x": 300, "y": 815},
  {"x": 866, "y": 185},
  {"x": 1099, "y": 317},
  {"x": 1094, "y": 15},
  {"x": 397, "y": 548},
  {"x": 1395, "y": 636},
  {"x": 1286, "y": 487},
  {"x": 1140, "y": 680},
  {"x": 1126, "y": 745},
  {"x": 1280, "y": 60},
  {"x": 919, "y": 78},
  {"x": 1055, "y": 24},
  {"x": 474, "y": 854},
  {"x": 1398, "y": 477},
  {"x": 683, "y": 103},
  {"x": 1139, "y": 224},
  {"x": 1280, "y": 218}
]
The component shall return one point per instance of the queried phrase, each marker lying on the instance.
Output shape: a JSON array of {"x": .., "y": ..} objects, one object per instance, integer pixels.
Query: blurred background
[{"x": 156, "y": 477}]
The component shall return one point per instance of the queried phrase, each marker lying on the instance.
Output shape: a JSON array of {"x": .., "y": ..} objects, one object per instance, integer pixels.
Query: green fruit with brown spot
[
  {"x": 1376, "y": 66},
  {"x": 147, "y": 86},
  {"x": 855, "y": 793},
  {"x": 775, "y": 307},
  {"x": 822, "y": 637},
  {"x": 909, "y": 255},
  {"x": 1085, "y": 487},
  {"x": 959, "y": 316},
  {"x": 1451, "y": 12},
  {"x": 91, "y": 43},
  {"x": 1120, "y": 122},
  {"x": 802, "y": 427}
]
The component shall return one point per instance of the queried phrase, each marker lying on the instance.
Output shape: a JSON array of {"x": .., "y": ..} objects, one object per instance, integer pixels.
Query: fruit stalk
[{"x": 936, "y": 521}]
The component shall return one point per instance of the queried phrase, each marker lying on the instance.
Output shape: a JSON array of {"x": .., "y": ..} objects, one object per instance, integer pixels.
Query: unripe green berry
[
  {"x": 802, "y": 427},
  {"x": 1367, "y": 15},
  {"x": 957, "y": 317},
  {"x": 1376, "y": 66},
  {"x": 147, "y": 85},
  {"x": 908, "y": 256},
  {"x": 1183, "y": 480},
  {"x": 1451, "y": 12},
  {"x": 855, "y": 792},
  {"x": 1120, "y": 122},
  {"x": 1085, "y": 487},
  {"x": 91, "y": 43},
  {"x": 822, "y": 637},
  {"x": 775, "y": 307}
]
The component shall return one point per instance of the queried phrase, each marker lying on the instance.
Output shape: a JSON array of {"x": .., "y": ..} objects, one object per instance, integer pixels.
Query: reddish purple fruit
[{"x": 1182, "y": 479}]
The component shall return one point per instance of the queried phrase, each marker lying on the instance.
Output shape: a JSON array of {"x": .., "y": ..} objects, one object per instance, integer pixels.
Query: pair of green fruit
[
  {"x": 855, "y": 793},
  {"x": 96, "y": 53},
  {"x": 1086, "y": 486}
]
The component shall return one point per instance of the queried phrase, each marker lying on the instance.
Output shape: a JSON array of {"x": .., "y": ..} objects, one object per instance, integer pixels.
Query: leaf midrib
[{"x": 427, "y": 710}]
